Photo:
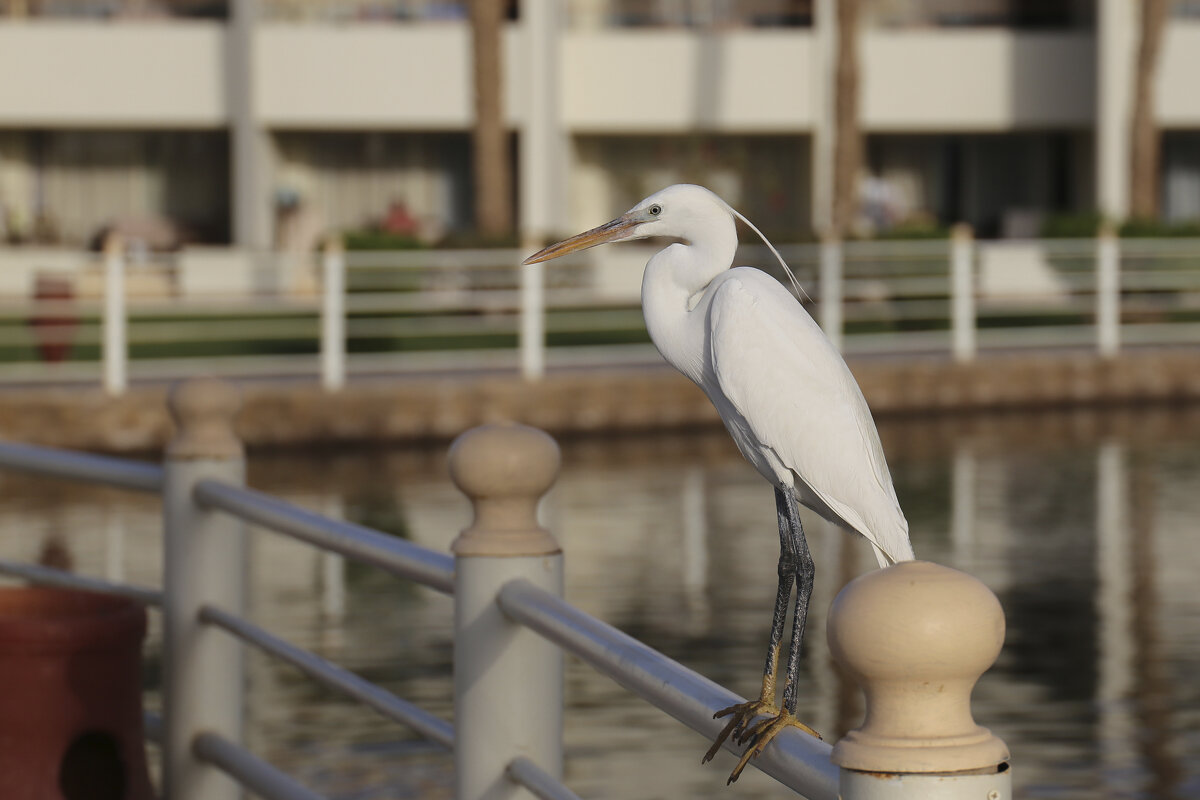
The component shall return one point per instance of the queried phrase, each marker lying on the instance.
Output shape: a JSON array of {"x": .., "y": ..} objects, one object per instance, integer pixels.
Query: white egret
[{"x": 786, "y": 396}]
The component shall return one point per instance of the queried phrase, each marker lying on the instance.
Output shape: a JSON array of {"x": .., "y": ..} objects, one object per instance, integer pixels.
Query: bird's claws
[
  {"x": 743, "y": 728},
  {"x": 743, "y": 715}
]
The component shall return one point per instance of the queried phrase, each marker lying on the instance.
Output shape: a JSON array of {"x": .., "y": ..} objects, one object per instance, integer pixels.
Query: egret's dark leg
[
  {"x": 796, "y": 562},
  {"x": 795, "y": 567},
  {"x": 805, "y": 571},
  {"x": 743, "y": 713}
]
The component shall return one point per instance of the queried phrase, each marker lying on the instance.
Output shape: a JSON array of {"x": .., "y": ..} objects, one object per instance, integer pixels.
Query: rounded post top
[
  {"x": 962, "y": 232},
  {"x": 203, "y": 410},
  {"x": 916, "y": 636},
  {"x": 504, "y": 469}
]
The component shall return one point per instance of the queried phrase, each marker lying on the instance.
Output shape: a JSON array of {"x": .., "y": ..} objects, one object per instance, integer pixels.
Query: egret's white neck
[{"x": 673, "y": 288}]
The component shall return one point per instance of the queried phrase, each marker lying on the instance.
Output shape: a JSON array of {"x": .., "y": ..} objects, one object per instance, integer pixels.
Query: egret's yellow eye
[{"x": 655, "y": 210}]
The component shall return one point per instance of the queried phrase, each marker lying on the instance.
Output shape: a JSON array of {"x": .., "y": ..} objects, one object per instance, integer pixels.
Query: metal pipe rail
[
  {"x": 330, "y": 674},
  {"x": 795, "y": 759},
  {"x": 396, "y": 556},
  {"x": 69, "y": 580},
  {"x": 119, "y": 472},
  {"x": 524, "y": 772},
  {"x": 249, "y": 770}
]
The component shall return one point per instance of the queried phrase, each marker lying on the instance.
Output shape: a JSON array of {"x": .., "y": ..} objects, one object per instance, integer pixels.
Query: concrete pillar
[
  {"x": 250, "y": 148},
  {"x": 542, "y": 169},
  {"x": 823, "y": 131},
  {"x": 1116, "y": 40},
  {"x": 205, "y": 562},
  {"x": 543, "y": 141},
  {"x": 508, "y": 680}
]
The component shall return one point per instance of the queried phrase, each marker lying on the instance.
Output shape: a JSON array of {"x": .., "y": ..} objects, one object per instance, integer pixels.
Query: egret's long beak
[{"x": 619, "y": 228}]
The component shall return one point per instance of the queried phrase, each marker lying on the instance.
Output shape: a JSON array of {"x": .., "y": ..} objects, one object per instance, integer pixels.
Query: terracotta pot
[{"x": 71, "y": 696}]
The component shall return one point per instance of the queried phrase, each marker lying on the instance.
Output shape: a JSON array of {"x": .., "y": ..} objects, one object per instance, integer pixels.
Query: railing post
[
  {"x": 533, "y": 321},
  {"x": 508, "y": 681},
  {"x": 830, "y": 277},
  {"x": 916, "y": 637},
  {"x": 333, "y": 315},
  {"x": 205, "y": 563},
  {"x": 115, "y": 350},
  {"x": 1108, "y": 292},
  {"x": 962, "y": 293}
]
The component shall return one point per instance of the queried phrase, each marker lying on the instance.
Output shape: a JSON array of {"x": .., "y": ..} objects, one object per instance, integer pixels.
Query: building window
[{"x": 409, "y": 184}]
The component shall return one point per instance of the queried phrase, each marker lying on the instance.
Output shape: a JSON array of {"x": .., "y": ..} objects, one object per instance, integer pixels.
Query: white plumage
[{"x": 783, "y": 391}]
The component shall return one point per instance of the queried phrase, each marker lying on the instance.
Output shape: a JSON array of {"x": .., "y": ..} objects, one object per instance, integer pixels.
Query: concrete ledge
[{"x": 376, "y": 411}]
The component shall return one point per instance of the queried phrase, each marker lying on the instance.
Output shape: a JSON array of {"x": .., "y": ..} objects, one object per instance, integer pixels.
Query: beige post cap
[
  {"x": 204, "y": 410},
  {"x": 504, "y": 469},
  {"x": 916, "y": 636}
]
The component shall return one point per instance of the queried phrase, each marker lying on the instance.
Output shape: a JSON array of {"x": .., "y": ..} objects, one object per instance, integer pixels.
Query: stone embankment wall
[{"x": 378, "y": 410}]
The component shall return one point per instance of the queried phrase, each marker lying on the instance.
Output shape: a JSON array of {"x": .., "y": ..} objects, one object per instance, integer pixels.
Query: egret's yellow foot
[
  {"x": 759, "y": 734},
  {"x": 743, "y": 715}
]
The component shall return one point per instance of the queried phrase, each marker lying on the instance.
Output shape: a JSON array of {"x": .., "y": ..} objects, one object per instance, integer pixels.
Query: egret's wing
[{"x": 790, "y": 390}]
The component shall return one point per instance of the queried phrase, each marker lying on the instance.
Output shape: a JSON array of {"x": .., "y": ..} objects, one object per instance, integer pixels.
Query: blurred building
[{"x": 265, "y": 120}]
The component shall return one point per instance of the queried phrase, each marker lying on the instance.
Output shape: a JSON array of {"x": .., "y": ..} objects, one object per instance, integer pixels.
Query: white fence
[{"x": 337, "y": 313}]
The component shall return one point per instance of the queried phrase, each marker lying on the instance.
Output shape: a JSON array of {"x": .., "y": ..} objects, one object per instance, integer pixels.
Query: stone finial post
[
  {"x": 203, "y": 410},
  {"x": 916, "y": 637},
  {"x": 204, "y": 563},
  {"x": 508, "y": 681}
]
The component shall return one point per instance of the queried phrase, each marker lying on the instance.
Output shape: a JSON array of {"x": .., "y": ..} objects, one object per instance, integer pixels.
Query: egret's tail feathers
[{"x": 886, "y": 559}]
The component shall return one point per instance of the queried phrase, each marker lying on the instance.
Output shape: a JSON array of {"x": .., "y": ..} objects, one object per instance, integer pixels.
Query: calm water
[{"x": 1087, "y": 526}]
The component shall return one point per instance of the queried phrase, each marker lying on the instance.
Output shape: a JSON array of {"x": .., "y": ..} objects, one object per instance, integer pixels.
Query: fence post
[
  {"x": 205, "y": 563},
  {"x": 962, "y": 293},
  {"x": 508, "y": 681},
  {"x": 115, "y": 350},
  {"x": 830, "y": 278},
  {"x": 333, "y": 315},
  {"x": 533, "y": 320},
  {"x": 1108, "y": 292},
  {"x": 916, "y": 637}
]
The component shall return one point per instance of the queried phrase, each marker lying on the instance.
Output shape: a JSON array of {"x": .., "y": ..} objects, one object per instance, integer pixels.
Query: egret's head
[{"x": 682, "y": 211}]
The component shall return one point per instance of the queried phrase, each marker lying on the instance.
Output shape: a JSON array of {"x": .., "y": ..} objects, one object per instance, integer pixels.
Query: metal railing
[
  {"x": 339, "y": 313},
  {"x": 206, "y": 511}
]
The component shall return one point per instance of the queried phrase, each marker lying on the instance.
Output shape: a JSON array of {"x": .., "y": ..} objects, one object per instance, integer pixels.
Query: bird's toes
[{"x": 720, "y": 740}]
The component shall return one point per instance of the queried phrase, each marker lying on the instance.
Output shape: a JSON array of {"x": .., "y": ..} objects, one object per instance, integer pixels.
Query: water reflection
[{"x": 1083, "y": 523}]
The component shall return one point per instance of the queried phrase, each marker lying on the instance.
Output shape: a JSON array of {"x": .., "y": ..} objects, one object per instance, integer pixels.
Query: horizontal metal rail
[
  {"x": 49, "y": 576},
  {"x": 249, "y": 770},
  {"x": 794, "y": 758},
  {"x": 330, "y": 674},
  {"x": 120, "y": 472},
  {"x": 402, "y": 559},
  {"x": 525, "y": 773}
]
